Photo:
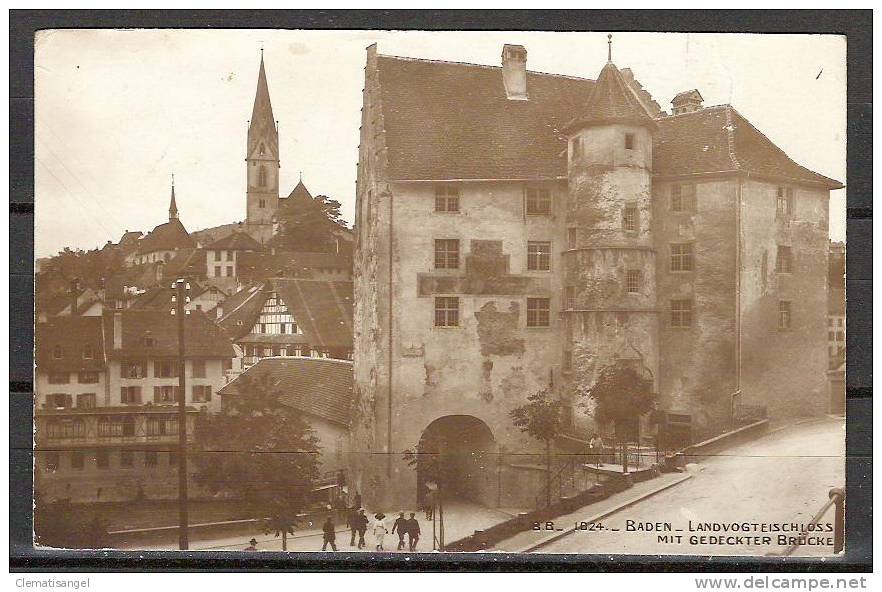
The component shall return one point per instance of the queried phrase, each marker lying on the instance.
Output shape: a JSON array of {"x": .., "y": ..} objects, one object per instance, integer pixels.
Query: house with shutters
[
  {"x": 520, "y": 231},
  {"x": 106, "y": 391}
]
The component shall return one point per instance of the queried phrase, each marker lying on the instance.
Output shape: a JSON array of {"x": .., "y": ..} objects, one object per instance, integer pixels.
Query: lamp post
[{"x": 180, "y": 299}]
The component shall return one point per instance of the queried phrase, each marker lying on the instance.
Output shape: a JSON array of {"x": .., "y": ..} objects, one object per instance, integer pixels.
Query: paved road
[{"x": 780, "y": 479}]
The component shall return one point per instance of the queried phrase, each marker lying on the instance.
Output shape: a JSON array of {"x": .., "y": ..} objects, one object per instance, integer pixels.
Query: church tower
[
  {"x": 172, "y": 206},
  {"x": 609, "y": 265},
  {"x": 262, "y": 163}
]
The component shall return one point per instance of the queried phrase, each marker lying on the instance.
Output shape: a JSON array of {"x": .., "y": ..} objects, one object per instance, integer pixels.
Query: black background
[{"x": 856, "y": 25}]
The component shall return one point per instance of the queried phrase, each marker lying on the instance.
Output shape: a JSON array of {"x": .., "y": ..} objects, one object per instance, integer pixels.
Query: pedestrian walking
[
  {"x": 412, "y": 526},
  {"x": 380, "y": 530},
  {"x": 399, "y": 527},
  {"x": 252, "y": 545},
  {"x": 329, "y": 535},
  {"x": 429, "y": 504},
  {"x": 596, "y": 446},
  {"x": 353, "y": 519},
  {"x": 362, "y": 528}
]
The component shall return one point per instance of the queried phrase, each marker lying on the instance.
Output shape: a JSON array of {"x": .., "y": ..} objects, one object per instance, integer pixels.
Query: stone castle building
[{"x": 520, "y": 231}]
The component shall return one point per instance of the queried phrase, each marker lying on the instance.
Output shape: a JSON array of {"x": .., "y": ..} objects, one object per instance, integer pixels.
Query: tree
[
  {"x": 261, "y": 452},
  {"x": 541, "y": 418},
  {"x": 621, "y": 394},
  {"x": 309, "y": 224},
  {"x": 61, "y": 525}
]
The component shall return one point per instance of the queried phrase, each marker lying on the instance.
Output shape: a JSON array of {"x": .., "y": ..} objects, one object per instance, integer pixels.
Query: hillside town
[{"x": 554, "y": 301}]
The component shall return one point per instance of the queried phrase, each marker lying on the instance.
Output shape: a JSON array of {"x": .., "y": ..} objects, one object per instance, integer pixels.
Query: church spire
[
  {"x": 172, "y": 207},
  {"x": 262, "y": 128}
]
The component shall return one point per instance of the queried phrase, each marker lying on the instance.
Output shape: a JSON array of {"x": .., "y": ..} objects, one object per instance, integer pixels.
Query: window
[
  {"x": 59, "y": 401},
  {"x": 52, "y": 461},
  {"x": 784, "y": 315},
  {"x": 681, "y": 313},
  {"x": 682, "y": 198},
  {"x": 447, "y": 253},
  {"x": 109, "y": 426},
  {"x": 229, "y": 271},
  {"x": 538, "y": 202},
  {"x": 446, "y": 311},
  {"x": 201, "y": 393},
  {"x": 538, "y": 312},
  {"x": 576, "y": 148},
  {"x": 102, "y": 459},
  {"x": 784, "y": 260},
  {"x": 217, "y": 271},
  {"x": 538, "y": 255},
  {"x": 151, "y": 458},
  {"x": 165, "y": 369},
  {"x": 261, "y": 203},
  {"x": 631, "y": 219},
  {"x": 784, "y": 207},
  {"x": 86, "y": 401},
  {"x": 87, "y": 377},
  {"x": 58, "y": 352},
  {"x": 681, "y": 257},
  {"x": 217, "y": 255},
  {"x": 59, "y": 378},
  {"x": 126, "y": 458},
  {"x": 630, "y": 141},
  {"x": 447, "y": 198},
  {"x": 572, "y": 237},
  {"x": 165, "y": 394},
  {"x": 632, "y": 281},
  {"x": 229, "y": 255},
  {"x": 198, "y": 368},
  {"x": 261, "y": 179},
  {"x": 134, "y": 369},
  {"x": 130, "y": 395},
  {"x": 88, "y": 352},
  {"x": 148, "y": 341},
  {"x": 570, "y": 297},
  {"x": 77, "y": 460}
]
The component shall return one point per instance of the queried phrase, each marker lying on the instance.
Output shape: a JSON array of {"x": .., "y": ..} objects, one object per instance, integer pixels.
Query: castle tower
[
  {"x": 262, "y": 163},
  {"x": 609, "y": 265}
]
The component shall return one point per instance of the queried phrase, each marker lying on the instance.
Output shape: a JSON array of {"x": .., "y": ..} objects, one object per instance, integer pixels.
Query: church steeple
[
  {"x": 262, "y": 162},
  {"x": 172, "y": 206}
]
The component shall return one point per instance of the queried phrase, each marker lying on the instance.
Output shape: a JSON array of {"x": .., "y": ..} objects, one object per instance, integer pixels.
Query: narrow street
[{"x": 778, "y": 480}]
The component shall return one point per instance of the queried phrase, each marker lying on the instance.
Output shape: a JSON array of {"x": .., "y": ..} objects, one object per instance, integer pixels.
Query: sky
[{"x": 119, "y": 111}]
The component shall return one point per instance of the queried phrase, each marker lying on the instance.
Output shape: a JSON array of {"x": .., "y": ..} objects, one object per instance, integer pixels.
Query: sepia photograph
[{"x": 355, "y": 292}]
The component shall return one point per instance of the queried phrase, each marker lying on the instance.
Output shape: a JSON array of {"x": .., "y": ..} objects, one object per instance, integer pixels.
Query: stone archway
[{"x": 468, "y": 449}]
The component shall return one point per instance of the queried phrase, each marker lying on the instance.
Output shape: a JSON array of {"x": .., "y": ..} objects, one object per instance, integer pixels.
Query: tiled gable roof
[
  {"x": 314, "y": 386},
  {"x": 203, "y": 338},
  {"x": 258, "y": 266},
  {"x": 73, "y": 334},
  {"x": 448, "y": 121},
  {"x": 166, "y": 237},
  {"x": 241, "y": 310},
  {"x": 237, "y": 241}
]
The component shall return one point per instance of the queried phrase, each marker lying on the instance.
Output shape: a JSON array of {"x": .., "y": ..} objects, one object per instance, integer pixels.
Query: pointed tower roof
[
  {"x": 612, "y": 101},
  {"x": 263, "y": 124},
  {"x": 300, "y": 192},
  {"x": 172, "y": 206}
]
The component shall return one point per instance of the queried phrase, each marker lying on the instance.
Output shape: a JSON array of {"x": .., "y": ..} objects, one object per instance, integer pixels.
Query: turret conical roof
[{"x": 612, "y": 101}]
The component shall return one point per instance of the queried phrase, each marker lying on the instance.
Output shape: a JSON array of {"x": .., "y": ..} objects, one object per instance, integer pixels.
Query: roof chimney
[
  {"x": 687, "y": 102},
  {"x": 73, "y": 297},
  {"x": 514, "y": 71},
  {"x": 117, "y": 330}
]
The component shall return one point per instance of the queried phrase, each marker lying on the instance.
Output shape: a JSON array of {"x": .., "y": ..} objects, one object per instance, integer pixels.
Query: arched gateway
[{"x": 464, "y": 459}]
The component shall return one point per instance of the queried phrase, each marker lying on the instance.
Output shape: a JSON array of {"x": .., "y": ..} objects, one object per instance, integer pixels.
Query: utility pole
[{"x": 180, "y": 299}]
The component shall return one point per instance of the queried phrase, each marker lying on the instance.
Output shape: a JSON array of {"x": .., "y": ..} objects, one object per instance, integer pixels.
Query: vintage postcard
[{"x": 364, "y": 292}]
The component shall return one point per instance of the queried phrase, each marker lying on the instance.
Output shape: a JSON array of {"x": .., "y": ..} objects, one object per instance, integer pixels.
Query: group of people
[{"x": 358, "y": 523}]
